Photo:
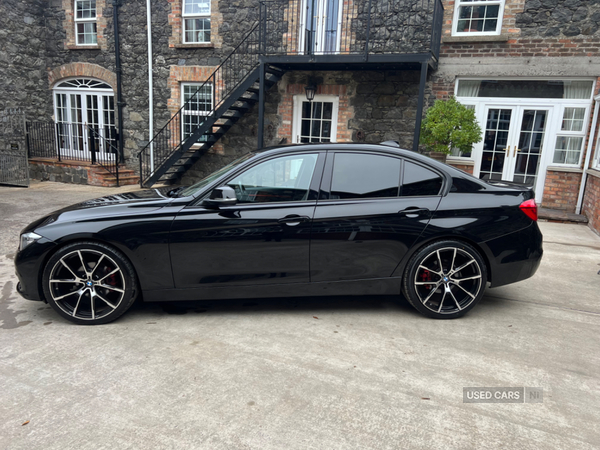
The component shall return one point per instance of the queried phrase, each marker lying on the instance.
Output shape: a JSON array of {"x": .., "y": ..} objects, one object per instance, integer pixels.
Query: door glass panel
[
  {"x": 331, "y": 26},
  {"x": 277, "y": 180},
  {"x": 364, "y": 176},
  {"x": 77, "y": 123},
  {"x": 418, "y": 180},
  {"x": 529, "y": 150},
  {"x": 494, "y": 144}
]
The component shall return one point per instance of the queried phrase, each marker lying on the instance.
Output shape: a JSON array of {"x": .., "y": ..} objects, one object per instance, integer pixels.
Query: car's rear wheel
[
  {"x": 445, "y": 279},
  {"x": 89, "y": 283}
]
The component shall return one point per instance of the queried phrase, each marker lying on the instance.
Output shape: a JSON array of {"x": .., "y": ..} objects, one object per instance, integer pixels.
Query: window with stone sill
[
  {"x": 197, "y": 102},
  {"x": 196, "y": 21},
  {"x": 477, "y": 17},
  {"x": 85, "y": 22}
]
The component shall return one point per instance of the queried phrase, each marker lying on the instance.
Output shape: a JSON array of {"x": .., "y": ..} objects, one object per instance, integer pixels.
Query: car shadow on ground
[{"x": 274, "y": 305}]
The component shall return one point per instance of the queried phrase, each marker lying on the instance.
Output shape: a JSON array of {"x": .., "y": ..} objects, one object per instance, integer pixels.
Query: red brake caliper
[{"x": 426, "y": 276}]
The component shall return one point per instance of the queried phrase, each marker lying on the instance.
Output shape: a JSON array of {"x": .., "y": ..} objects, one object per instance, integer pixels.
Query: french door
[
  {"x": 514, "y": 140},
  {"x": 321, "y": 25},
  {"x": 86, "y": 120}
]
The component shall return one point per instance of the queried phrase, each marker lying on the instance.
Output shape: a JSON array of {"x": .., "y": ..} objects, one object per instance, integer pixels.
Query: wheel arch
[
  {"x": 480, "y": 247},
  {"x": 76, "y": 240}
]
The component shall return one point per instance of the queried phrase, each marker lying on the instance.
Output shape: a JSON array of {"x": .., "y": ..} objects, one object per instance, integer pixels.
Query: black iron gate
[{"x": 14, "y": 167}]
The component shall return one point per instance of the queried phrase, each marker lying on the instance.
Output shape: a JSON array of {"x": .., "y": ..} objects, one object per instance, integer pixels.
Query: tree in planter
[{"x": 448, "y": 124}]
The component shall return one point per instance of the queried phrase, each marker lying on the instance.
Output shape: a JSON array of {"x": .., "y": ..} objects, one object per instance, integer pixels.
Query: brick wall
[
  {"x": 82, "y": 69},
  {"x": 591, "y": 201},
  {"x": 176, "y": 22},
  {"x": 561, "y": 190},
  {"x": 345, "y": 111}
]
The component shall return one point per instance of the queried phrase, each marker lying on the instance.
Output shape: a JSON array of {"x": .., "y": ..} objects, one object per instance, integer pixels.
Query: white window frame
[
  {"x": 572, "y": 134},
  {"x": 297, "y": 115},
  {"x": 196, "y": 85},
  {"x": 86, "y": 20},
  {"x": 192, "y": 16},
  {"x": 596, "y": 160},
  {"x": 474, "y": 3}
]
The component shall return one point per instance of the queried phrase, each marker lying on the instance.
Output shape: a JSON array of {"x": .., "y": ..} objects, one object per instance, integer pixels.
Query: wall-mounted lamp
[{"x": 310, "y": 91}]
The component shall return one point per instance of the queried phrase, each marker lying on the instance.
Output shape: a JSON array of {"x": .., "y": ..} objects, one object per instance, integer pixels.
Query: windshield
[{"x": 191, "y": 190}]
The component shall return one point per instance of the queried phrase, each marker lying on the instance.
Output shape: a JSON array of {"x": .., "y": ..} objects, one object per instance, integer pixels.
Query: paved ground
[{"x": 366, "y": 373}]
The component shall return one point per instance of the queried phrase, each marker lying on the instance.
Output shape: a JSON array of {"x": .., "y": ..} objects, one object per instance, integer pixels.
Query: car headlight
[{"x": 28, "y": 238}]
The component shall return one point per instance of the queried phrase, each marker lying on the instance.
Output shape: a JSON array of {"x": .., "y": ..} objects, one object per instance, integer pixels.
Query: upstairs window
[
  {"x": 85, "y": 22},
  {"x": 478, "y": 17},
  {"x": 196, "y": 21}
]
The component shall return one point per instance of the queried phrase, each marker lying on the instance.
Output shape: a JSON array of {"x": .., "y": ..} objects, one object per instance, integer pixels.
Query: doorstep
[{"x": 555, "y": 215}]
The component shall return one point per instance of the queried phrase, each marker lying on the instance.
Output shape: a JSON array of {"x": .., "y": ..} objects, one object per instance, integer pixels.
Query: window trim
[
  {"x": 298, "y": 100},
  {"x": 77, "y": 21},
  {"x": 186, "y": 16},
  {"x": 462, "y": 3},
  {"x": 196, "y": 84}
]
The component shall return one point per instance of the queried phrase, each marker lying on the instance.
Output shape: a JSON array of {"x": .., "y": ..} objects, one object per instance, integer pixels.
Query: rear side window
[
  {"x": 364, "y": 176},
  {"x": 420, "y": 181}
]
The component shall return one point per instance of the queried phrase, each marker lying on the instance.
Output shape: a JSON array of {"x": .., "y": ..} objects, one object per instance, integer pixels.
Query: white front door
[
  {"x": 321, "y": 25},
  {"x": 514, "y": 139}
]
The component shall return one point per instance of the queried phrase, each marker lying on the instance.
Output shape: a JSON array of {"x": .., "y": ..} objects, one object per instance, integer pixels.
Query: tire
[
  {"x": 89, "y": 283},
  {"x": 450, "y": 292}
]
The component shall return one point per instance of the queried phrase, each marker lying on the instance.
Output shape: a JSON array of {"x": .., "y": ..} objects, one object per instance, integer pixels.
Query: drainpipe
[
  {"x": 150, "y": 88},
  {"x": 588, "y": 157},
  {"x": 120, "y": 103}
]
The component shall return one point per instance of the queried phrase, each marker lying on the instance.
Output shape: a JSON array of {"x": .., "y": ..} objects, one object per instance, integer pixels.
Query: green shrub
[{"x": 448, "y": 124}]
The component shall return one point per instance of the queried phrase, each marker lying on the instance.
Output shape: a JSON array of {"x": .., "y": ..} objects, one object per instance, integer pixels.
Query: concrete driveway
[{"x": 341, "y": 373}]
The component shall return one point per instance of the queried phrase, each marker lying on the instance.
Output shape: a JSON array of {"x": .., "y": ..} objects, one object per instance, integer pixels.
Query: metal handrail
[{"x": 224, "y": 80}]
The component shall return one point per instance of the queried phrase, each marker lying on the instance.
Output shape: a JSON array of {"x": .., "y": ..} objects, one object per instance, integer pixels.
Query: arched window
[{"x": 84, "y": 109}]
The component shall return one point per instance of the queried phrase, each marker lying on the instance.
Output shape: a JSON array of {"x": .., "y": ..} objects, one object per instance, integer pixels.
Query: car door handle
[
  {"x": 294, "y": 220},
  {"x": 413, "y": 212}
]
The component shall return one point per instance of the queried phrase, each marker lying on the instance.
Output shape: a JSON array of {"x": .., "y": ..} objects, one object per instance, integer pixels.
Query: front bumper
[{"x": 29, "y": 265}]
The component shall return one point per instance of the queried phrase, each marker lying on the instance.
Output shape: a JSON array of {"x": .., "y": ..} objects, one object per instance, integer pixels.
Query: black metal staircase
[
  {"x": 284, "y": 39},
  {"x": 235, "y": 89}
]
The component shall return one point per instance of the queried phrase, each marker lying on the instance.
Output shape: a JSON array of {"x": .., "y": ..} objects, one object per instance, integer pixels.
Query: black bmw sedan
[{"x": 320, "y": 219}]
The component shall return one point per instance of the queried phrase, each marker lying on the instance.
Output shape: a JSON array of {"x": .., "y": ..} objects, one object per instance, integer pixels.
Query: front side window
[
  {"x": 85, "y": 22},
  {"x": 196, "y": 21},
  {"x": 364, "y": 176},
  {"x": 478, "y": 17},
  {"x": 570, "y": 138},
  {"x": 197, "y": 102},
  {"x": 596, "y": 162},
  {"x": 281, "y": 179}
]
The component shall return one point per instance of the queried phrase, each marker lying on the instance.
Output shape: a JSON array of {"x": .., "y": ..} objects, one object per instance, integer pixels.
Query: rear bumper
[{"x": 515, "y": 256}]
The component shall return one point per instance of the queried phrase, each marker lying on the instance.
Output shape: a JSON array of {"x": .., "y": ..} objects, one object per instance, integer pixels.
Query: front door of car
[
  {"x": 372, "y": 208},
  {"x": 263, "y": 239}
]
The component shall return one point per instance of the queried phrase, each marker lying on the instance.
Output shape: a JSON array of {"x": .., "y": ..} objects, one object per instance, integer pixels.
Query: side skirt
[{"x": 377, "y": 286}]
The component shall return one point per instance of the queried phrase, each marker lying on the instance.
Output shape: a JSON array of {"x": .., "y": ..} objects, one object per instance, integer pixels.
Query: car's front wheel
[
  {"x": 89, "y": 283},
  {"x": 445, "y": 279}
]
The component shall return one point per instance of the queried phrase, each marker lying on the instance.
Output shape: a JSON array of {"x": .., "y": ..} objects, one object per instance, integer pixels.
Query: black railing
[
  {"x": 74, "y": 142},
  {"x": 41, "y": 140},
  {"x": 200, "y": 106},
  {"x": 359, "y": 27},
  {"x": 103, "y": 150}
]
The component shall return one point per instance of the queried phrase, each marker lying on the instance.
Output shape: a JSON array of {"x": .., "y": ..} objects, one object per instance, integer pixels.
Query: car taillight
[{"x": 530, "y": 209}]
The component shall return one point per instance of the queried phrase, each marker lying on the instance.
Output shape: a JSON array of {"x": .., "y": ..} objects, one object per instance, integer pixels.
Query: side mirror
[{"x": 221, "y": 196}]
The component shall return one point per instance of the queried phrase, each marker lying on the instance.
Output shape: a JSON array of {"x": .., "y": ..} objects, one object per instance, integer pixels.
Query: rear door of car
[{"x": 372, "y": 207}]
